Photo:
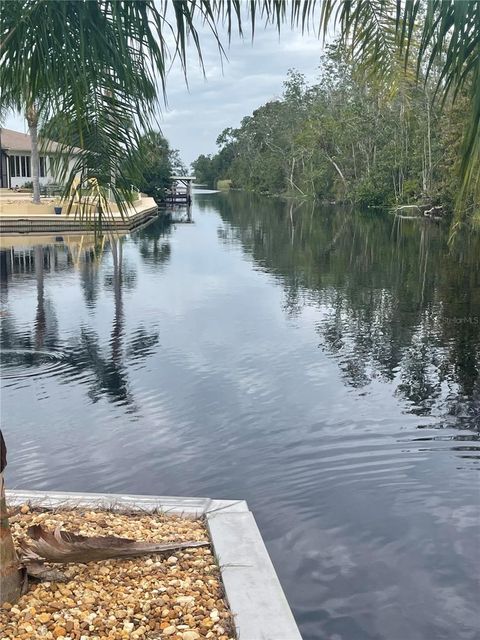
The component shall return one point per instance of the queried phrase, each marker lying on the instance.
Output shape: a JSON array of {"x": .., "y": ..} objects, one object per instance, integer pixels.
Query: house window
[
  {"x": 43, "y": 166},
  {"x": 20, "y": 166}
]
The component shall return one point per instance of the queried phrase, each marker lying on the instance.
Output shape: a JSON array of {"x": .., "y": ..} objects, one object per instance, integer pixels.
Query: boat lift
[{"x": 180, "y": 193}]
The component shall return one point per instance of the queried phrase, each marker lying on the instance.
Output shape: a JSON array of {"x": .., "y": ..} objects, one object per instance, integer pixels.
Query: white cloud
[{"x": 253, "y": 74}]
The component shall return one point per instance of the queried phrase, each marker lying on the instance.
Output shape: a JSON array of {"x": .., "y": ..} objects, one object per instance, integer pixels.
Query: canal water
[{"x": 322, "y": 364}]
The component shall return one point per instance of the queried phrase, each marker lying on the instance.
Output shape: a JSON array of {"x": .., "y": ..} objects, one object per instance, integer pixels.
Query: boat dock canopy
[{"x": 181, "y": 190}]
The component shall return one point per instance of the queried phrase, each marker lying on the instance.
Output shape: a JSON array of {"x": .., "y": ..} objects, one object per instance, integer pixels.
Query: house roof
[{"x": 15, "y": 141}]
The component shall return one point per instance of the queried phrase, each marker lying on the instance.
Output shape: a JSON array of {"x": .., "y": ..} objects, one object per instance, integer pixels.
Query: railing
[
  {"x": 135, "y": 193},
  {"x": 51, "y": 189}
]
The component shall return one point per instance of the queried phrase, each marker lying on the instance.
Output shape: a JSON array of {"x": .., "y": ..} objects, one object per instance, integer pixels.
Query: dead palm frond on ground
[{"x": 62, "y": 546}]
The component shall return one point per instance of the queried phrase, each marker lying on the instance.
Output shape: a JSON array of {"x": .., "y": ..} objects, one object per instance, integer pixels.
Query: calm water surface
[{"x": 323, "y": 365}]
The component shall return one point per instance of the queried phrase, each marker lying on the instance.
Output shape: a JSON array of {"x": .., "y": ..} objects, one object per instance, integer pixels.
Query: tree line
[
  {"x": 108, "y": 62},
  {"x": 350, "y": 137}
]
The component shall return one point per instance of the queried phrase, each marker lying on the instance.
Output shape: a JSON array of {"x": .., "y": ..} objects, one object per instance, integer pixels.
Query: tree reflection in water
[
  {"x": 110, "y": 371},
  {"x": 152, "y": 242},
  {"x": 104, "y": 371},
  {"x": 398, "y": 302}
]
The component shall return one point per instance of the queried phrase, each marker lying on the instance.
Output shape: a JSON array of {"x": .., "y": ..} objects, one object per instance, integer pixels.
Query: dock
[
  {"x": 19, "y": 215},
  {"x": 180, "y": 193}
]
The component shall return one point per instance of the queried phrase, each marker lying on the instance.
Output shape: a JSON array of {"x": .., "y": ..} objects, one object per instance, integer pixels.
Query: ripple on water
[{"x": 17, "y": 365}]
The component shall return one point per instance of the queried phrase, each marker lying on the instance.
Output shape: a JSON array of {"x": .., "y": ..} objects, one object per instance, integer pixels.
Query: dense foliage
[
  {"x": 347, "y": 137},
  {"x": 152, "y": 164},
  {"x": 107, "y": 60}
]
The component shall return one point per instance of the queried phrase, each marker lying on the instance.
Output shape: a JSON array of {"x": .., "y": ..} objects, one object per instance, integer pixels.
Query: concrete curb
[
  {"x": 50, "y": 223},
  {"x": 254, "y": 593}
]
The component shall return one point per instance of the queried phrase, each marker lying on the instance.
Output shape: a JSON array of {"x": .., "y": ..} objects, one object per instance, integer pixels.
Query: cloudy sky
[{"x": 252, "y": 74}]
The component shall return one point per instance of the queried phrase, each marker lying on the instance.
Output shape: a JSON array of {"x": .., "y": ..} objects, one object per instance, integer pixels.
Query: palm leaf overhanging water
[{"x": 104, "y": 62}]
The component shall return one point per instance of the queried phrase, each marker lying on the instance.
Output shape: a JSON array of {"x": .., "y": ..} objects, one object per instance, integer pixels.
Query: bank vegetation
[{"x": 352, "y": 137}]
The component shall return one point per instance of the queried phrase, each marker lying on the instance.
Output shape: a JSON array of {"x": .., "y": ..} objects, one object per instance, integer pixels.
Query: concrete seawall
[{"x": 19, "y": 216}]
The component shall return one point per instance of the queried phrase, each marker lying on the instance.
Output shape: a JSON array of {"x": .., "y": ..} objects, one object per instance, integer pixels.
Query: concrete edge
[
  {"x": 25, "y": 224},
  {"x": 193, "y": 507},
  {"x": 253, "y": 590},
  {"x": 259, "y": 606}
]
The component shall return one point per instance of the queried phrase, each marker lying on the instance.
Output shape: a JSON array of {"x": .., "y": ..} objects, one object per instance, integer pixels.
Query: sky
[{"x": 251, "y": 75}]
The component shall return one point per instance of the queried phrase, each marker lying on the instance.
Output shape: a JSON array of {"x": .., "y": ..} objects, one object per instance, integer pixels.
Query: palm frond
[
  {"x": 62, "y": 547},
  {"x": 80, "y": 51}
]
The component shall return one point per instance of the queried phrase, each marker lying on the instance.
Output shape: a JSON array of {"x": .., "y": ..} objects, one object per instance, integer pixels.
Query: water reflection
[
  {"x": 153, "y": 242},
  {"x": 400, "y": 305},
  {"x": 83, "y": 357},
  {"x": 321, "y": 364}
]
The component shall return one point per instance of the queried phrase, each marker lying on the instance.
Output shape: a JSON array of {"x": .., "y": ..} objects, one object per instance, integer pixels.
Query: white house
[{"x": 15, "y": 159}]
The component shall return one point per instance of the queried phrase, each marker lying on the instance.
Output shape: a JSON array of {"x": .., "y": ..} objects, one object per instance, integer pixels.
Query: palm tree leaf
[
  {"x": 63, "y": 547},
  {"x": 80, "y": 51}
]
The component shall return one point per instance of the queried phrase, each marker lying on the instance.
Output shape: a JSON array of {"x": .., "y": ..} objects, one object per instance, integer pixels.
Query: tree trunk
[
  {"x": 32, "y": 119},
  {"x": 429, "y": 143},
  {"x": 10, "y": 576},
  {"x": 338, "y": 170}
]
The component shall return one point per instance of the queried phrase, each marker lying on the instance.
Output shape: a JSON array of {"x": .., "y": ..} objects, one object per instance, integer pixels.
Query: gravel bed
[{"x": 179, "y": 597}]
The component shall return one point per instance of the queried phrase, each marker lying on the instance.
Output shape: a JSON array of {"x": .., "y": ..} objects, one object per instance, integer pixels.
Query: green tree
[
  {"x": 151, "y": 165},
  {"x": 349, "y": 137},
  {"x": 203, "y": 171},
  {"x": 105, "y": 56}
]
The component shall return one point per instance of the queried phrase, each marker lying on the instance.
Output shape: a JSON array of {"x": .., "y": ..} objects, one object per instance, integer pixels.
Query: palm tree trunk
[
  {"x": 32, "y": 119},
  {"x": 10, "y": 576}
]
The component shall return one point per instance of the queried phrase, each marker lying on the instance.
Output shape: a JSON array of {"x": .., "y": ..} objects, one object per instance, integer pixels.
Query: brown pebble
[
  {"x": 44, "y": 618},
  {"x": 121, "y": 599}
]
